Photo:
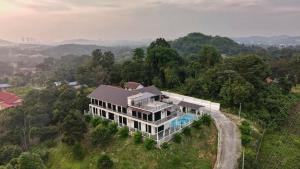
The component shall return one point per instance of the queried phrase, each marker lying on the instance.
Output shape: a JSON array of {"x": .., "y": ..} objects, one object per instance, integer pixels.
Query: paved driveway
[{"x": 229, "y": 143}]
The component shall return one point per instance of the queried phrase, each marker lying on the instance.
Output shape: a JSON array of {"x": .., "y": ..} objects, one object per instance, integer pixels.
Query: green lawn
[{"x": 195, "y": 152}]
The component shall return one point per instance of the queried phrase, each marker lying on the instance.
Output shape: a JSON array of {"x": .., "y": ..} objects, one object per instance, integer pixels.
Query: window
[
  {"x": 144, "y": 116},
  {"x": 93, "y": 101},
  {"x": 161, "y": 128},
  {"x": 109, "y": 105},
  {"x": 120, "y": 119},
  {"x": 119, "y": 108},
  {"x": 139, "y": 115},
  {"x": 103, "y": 113},
  {"x": 100, "y": 102},
  {"x": 124, "y": 110},
  {"x": 111, "y": 116},
  {"x": 114, "y": 107},
  {"x": 150, "y": 117},
  {"x": 104, "y": 104},
  {"x": 125, "y": 120},
  {"x": 134, "y": 113},
  {"x": 148, "y": 128},
  {"x": 96, "y": 102},
  {"x": 157, "y": 116},
  {"x": 168, "y": 113},
  {"x": 136, "y": 125}
]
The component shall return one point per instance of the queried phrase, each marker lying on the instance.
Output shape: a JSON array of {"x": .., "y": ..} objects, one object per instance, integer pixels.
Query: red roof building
[{"x": 9, "y": 100}]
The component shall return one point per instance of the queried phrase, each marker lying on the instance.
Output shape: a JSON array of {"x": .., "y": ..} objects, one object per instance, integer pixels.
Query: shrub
[
  {"x": 50, "y": 143},
  {"x": 78, "y": 152},
  {"x": 87, "y": 118},
  {"x": 113, "y": 128},
  {"x": 9, "y": 152},
  {"x": 177, "y": 138},
  {"x": 149, "y": 144},
  {"x": 101, "y": 135},
  {"x": 68, "y": 140},
  {"x": 30, "y": 160},
  {"x": 197, "y": 124},
  {"x": 105, "y": 122},
  {"x": 124, "y": 132},
  {"x": 104, "y": 162},
  {"x": 96, "y": 121},
  {"x": 137, "y": 137},
  {"x": 164, "y": 145},
  {"x": 206, "y": 119},
  {"x": 187, "y": 131},
  {"x": 245, "y": 128},
  {"x": 246, "y": 139}
]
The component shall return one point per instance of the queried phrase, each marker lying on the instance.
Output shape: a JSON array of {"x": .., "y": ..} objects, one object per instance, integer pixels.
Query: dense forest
[{"x": 213, "y": 68}]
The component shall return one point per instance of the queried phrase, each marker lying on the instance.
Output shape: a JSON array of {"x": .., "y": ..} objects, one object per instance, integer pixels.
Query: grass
[
  {"x": 281, "y": 149},
  {"x": 195, "y": 152},
  {"x": 20, "y": 91}
]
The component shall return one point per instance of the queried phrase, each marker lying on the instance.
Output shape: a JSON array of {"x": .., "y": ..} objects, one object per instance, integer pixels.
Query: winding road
[{"x": 229, "y": 142}]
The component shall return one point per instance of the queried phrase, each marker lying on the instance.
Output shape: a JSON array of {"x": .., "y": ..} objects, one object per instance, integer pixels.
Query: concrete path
[{"x": 229, "y": 142}]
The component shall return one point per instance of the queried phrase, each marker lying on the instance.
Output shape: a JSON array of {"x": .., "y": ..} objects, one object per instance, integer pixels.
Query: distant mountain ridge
[
  {"x": 282, "y": 40},
  {"x": 5, "y": 43}
]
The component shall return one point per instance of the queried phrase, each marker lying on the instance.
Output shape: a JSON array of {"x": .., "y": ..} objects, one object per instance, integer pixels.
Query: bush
[
  {"x": 88, "y": 118},
  {"x": 68, "y": 140},
  {"x": 105, "y": 122},
  {"x": 245, "y": 128},
  {"x": 50, "y": 143},
  {"x": 101, "y": 135},
  {"x": 124, "y": 132},
  {"x": 96, "y": 121},
  {"x": 104, "y": 162},
  {"x": 206, "y": 119},
  {"x": 9, "y": 152},
  {"x": 187, "y": 131},
  {"x": 164, "y": 145},
  {"x": 137, "y": 137},
  {"x": 78, "y": 152},
  {"x": 197, "y": 124},
  {"x": 246, "y": 139},
  {"x": 30, "y": 161},
  {"x": 149, "y": 144},
  {"x": 177, "y": 138},
  {"x": 113, "y": 128}
]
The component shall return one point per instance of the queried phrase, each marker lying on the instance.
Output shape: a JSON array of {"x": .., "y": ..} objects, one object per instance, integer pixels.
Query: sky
[{"x": 57, "y": 20}]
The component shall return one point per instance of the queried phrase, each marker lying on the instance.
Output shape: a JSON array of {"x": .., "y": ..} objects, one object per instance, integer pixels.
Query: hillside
[
  {"x": 5, "y": 43},
  {"x": 193, "y": 42}
]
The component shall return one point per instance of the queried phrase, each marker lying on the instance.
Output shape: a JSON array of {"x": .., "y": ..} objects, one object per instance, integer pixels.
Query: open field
[{"x": 195, "y": 152}]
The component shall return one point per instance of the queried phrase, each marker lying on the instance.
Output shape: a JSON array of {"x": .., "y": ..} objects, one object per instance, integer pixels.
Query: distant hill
[
  {"x": 282, "y": 40},
  {"x": 193, "y": 42},
  {"x": 129, "y": 43},
  {"x": 78, "y": 49},
  {"x": 5, "y": 43}
]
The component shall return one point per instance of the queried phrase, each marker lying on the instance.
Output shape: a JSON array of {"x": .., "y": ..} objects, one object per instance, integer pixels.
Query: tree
[
  {"x": 30, "y": 161},
  {"x": 138, "y": 54},
  {"x": 209, "y": 56},
  {"x": 236, "y": 91},
  {"x": 74, "y": 127}
]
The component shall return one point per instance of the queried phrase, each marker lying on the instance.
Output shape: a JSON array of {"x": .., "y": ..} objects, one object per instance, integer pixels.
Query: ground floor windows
[
  {"x": 104, "y": 113},
  {"x": 160, "y": 128},
  {"x": 111, "y": 116},
  {"x": 148, "y": 128},
  {"x": 137, "y": 125}
]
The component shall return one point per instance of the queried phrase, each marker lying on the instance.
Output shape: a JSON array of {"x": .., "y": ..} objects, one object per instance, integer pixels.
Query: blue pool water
[{"x": 183, "y": 120}]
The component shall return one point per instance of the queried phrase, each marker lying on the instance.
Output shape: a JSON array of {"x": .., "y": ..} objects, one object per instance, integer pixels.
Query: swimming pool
[{"x": 183, "y": 120}]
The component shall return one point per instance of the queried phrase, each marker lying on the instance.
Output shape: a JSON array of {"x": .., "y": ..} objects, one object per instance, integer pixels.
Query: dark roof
[
  {"x": 132, "y": 85},
  {"x": 189, "y": 105},
  {"x": 150, "y": 89},
  {"x": 111, "y": 94}
]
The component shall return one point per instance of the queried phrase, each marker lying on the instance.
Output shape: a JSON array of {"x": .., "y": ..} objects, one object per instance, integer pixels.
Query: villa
[{"x": 143, "y": 109}]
